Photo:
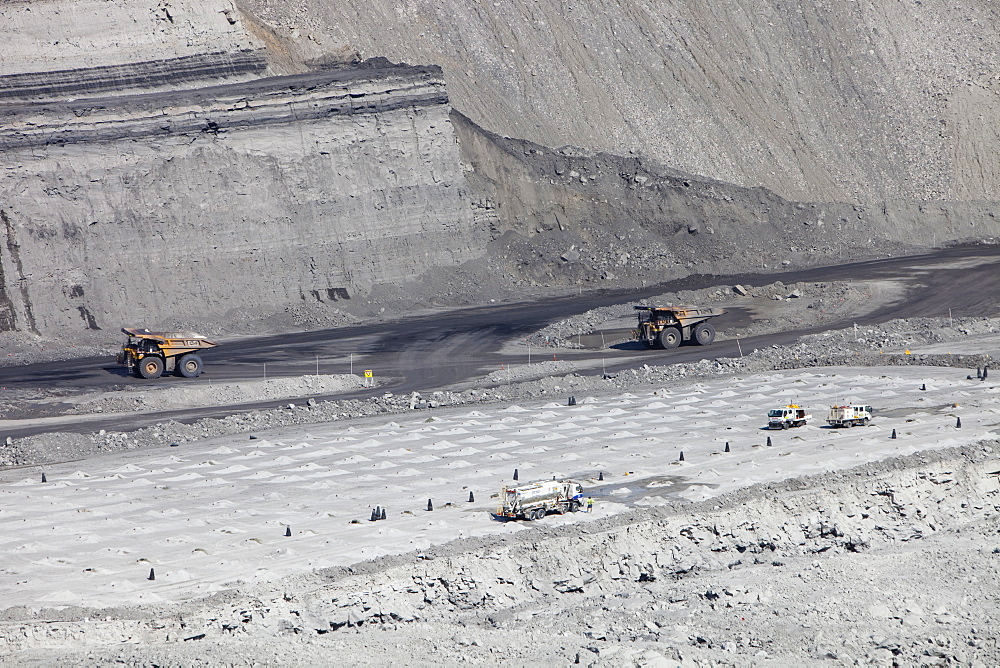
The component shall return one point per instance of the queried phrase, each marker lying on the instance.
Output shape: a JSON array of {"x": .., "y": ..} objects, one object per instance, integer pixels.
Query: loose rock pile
[{"x": 779, "y": 307}]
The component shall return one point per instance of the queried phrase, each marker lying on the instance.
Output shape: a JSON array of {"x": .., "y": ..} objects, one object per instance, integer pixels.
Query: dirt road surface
[{"x": 441, "y": 350}]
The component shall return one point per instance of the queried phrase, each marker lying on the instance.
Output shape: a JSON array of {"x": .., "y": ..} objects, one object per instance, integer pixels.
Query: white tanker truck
[{"x": 535, "y": 500}]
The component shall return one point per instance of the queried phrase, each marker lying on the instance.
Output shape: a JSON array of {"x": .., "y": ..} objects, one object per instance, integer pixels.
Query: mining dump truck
[
  {"x": 849, "y": 416},
  {"x": 535, "y": 500},
  {"x": 668, "y": 326},
  {"x": 149, "y": 354},
  {"x": 787, "y": 416}
]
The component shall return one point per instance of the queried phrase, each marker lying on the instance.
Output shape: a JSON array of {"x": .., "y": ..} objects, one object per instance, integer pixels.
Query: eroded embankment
[
  {"x": 894, "y": 561},
  {"x": 659, "y": 224}
]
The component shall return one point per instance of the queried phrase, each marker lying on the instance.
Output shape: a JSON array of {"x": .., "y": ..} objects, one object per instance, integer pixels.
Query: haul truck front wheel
[
  {"x": 150, "y": 367},
  {"x": 670, "y": 338}
]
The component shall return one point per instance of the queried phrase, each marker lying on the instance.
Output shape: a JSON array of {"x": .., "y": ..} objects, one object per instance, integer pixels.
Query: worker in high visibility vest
[{"x": 590, "y": 504}]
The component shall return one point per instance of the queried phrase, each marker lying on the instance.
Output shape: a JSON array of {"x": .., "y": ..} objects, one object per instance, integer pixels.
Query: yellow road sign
[{"x": 368, "y": 373}]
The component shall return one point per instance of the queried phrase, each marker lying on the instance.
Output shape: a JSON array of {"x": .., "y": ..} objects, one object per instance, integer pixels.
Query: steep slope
[
  {"x": 187, "y": 162},
  {"x": 816, "y": 101},
  {"x": 574, "y": 216}
]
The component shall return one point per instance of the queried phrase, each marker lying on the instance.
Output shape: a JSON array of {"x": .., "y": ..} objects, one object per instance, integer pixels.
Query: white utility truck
[
  {"x": 849, "y": 416},
  {"x": 535, "y": 500},
  {"x": 787, "y": 416}
]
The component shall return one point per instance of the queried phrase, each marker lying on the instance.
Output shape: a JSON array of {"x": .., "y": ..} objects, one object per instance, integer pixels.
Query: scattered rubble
[
  {"x": 206, "y": 393},
  {"x": 776, "y": 307},
  {"x": 775, "y": 574}
]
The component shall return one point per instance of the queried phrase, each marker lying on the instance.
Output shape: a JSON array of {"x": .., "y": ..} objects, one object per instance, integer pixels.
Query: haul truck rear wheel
[
  {"x": 704, "y": 334},
  {"x": 150, "y": 367},
  {"x": 189, "y": 366}
]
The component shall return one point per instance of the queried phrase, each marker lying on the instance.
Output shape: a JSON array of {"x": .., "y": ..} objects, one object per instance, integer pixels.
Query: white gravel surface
[{"x": 210, "y": 518}]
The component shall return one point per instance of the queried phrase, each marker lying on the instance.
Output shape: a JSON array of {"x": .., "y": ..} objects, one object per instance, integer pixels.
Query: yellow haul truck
[
  {"x": 148, "y": 354},
  {"x": 668, "y": 326}
]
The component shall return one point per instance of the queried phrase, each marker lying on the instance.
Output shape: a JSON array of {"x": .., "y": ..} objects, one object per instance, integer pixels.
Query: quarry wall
[
  {"x": 813, "y": 100},
  {"x": 178, "y": 207},
  {"x": 167, "y": 163}
]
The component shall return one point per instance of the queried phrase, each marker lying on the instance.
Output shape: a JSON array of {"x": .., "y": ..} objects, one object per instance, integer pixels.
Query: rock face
[
  {"x": 54, "y": 48},
  {"x": 174, "y": 206},
  {"x": 167, "y": 162},
  {"x": 822, "y": 101}
]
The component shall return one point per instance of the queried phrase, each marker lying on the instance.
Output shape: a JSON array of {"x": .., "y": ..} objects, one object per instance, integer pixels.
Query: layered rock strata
[
  {"x": 178, "y": 206},
  {"x": 137, "y": 43}
]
